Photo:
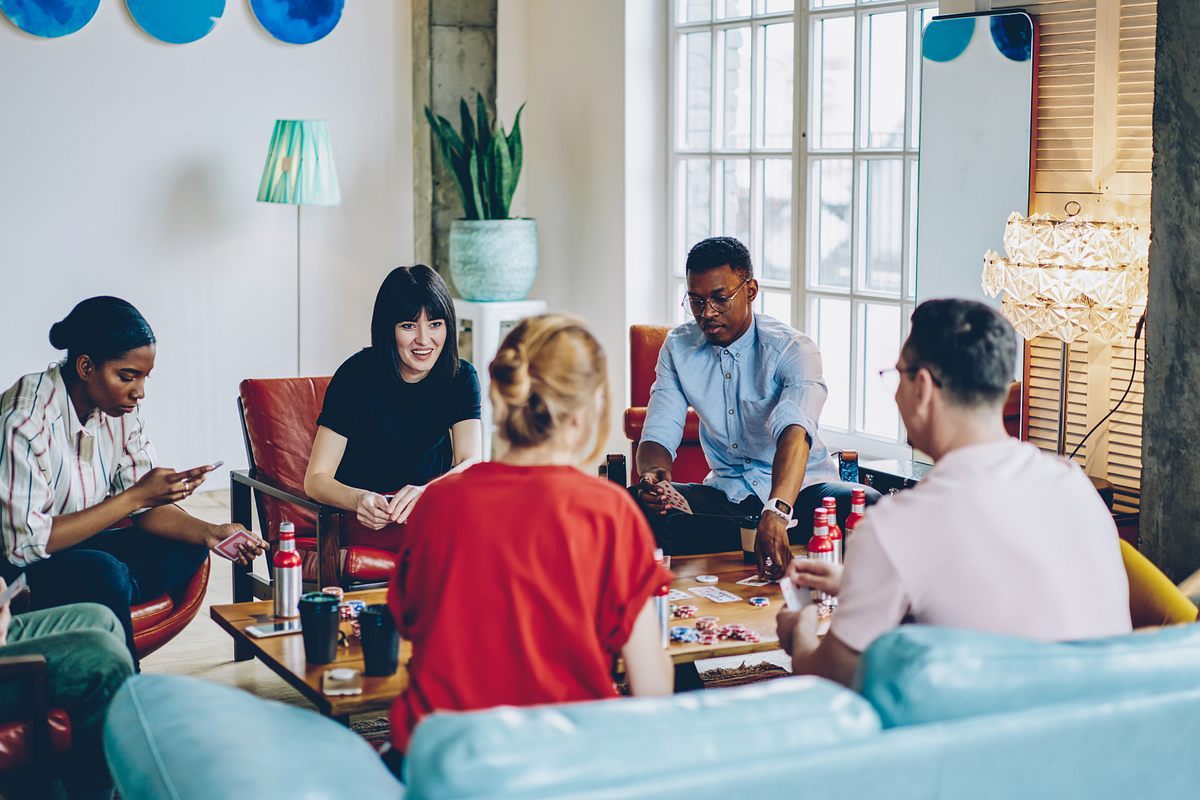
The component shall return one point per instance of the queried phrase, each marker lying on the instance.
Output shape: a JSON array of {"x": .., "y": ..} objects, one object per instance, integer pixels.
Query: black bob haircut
[
  {"x": 404, "y": 294},
  {"x": 967, "y": 346},
  {"x": 102, "y": 328},
  {"x": 717, "y": 252}
]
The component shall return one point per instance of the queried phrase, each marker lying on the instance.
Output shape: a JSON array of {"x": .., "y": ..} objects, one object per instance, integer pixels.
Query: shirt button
[
  {"x": 747, "y": 461},
  {"x": 754, "y": 483},
  {"x": 727, "y": 376},
  {"x": 735, "y": 445},
  {"x": 726, "y": 352},
  {"x": 731, "y": 411}
]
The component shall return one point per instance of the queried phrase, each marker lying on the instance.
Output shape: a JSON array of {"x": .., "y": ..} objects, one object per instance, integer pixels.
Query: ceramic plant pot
[{"x": 493, "y": 259}]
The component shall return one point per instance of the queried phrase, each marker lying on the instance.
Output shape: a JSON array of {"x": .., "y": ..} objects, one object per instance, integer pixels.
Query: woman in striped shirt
[{"x": 76, "y": 468}]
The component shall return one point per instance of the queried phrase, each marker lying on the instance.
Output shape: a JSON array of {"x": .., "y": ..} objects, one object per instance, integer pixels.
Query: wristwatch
[{"x": 781, "y": 507}]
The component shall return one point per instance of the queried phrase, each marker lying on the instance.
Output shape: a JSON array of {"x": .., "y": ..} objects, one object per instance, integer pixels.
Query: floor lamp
[
  {"x": 299, "y": 171},
  {"x": 1071, "y": 279}
]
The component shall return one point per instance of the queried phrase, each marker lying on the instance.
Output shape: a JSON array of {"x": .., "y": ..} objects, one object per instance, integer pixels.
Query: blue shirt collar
[{"x": 744, "y": 343}]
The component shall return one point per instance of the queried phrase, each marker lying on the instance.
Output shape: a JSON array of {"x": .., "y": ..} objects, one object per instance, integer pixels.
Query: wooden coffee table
[{"x": 284, "y": 655}]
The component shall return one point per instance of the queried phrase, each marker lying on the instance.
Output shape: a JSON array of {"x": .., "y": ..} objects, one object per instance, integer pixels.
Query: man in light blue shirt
[{"x": 757, "y": 387}]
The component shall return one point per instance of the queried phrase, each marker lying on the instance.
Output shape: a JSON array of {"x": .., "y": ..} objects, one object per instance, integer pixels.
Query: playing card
[
  {"x": 754, "y": 580},
  {"x": 675, "y": 595},
  {"x": 228, "y": 547},
  {"x": 674, "y": 498},
  {"x": 715, "y": 594}
]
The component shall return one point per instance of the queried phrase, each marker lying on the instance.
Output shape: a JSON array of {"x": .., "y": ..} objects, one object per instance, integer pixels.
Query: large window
[{"x": 828, "y": 209}]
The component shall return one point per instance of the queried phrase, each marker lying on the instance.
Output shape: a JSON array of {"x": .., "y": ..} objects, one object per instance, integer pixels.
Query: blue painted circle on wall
[
  {"x": 946, "y": 39},
  {"x": 176, "y": 21},
  {"x": 298, "y": 21},
  {"x": 1013, "y": 35},
  {"x": 49, "y": 18}
]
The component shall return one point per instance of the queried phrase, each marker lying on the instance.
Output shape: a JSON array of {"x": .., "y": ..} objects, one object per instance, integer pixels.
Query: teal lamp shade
[{"x": 299, "y": 168}]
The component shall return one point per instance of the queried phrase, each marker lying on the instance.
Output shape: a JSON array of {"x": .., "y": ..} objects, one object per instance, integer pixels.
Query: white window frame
[{"x": 802, "y": 289}]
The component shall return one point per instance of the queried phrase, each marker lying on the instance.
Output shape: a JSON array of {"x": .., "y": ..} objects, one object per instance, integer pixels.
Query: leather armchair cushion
[
  {"x": 572, "y": 749},
  {"x": 152, "y": 612},
  {"x": 919, "y": 673},
  {"x": 635, "y": 420},
  {"x": 151, "y": 632},
  {"x": 281, "y": 423},
  {"x": 15, "y": 738}
]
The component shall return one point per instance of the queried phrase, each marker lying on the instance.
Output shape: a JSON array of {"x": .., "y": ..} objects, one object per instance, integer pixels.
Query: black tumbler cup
[
  {"x": 319, "y": 620},
  {"x": 380, "y": 640}
]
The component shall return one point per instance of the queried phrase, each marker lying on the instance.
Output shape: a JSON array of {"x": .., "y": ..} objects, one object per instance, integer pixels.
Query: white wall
[
  {"x": 130, "y": 167},
  {"x": 596, "y": 187}
]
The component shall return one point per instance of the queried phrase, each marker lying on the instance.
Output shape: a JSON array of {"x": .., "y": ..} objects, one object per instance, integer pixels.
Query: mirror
[{"x": 978, "y": 87}]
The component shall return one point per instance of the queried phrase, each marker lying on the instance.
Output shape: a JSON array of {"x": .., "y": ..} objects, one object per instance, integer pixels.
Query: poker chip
[
  {"x": 706, "y": 578},
  {"x": 683, "y": 612},
  {"x": 760, "y": 602},
  {"x": 706, "y": 624},
  {"x": 682, "y": 633}
]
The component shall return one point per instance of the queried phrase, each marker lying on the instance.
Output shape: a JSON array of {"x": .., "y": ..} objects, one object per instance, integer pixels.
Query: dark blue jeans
[
  {"x": 714, "y": 524},
  {"x": 117, "y": 569}
]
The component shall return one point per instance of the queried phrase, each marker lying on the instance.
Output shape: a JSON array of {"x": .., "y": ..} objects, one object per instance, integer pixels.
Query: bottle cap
[
  {"x": 858, "y": 494},
  {"x": 830, "y": 503},
  {"x": 820, "y": 517},
  {"x": 287, "y": 527},
  {"x": 658, "y": 554}
]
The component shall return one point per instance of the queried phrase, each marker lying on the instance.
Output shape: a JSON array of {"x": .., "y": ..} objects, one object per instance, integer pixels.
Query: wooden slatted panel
[
  {"x": 1045, "y": 355},
  {"x": 1066, "y": 82},
  {"x": 1135, "y": 85},
  {"x": 1125, "y": 426}
]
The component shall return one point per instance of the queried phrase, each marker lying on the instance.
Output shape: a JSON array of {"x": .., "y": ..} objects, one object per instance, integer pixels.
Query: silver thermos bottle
[{"x": 286, "y": 573}]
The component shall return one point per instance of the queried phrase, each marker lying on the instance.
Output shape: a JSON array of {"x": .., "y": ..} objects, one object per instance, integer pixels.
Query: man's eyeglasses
[
  {"x": 720, "y": 305},
  {"x": 891, "y": 376}
]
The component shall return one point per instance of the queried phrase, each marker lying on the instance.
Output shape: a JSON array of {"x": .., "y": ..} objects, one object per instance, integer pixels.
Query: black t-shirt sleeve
[
  {"x": 464, "y": 399},
  {"x": 339, "y": 411}
]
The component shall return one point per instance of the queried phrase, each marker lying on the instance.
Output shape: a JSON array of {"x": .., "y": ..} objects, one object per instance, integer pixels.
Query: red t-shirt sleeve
[{"x": 633, "y": 577}]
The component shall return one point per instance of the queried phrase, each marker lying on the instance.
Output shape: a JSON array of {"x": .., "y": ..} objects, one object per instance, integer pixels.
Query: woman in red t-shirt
[{"x": 522, "y": 580}]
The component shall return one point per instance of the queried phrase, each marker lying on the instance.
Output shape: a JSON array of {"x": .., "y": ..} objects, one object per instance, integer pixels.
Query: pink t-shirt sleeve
[{"x": 873, "y": 598}]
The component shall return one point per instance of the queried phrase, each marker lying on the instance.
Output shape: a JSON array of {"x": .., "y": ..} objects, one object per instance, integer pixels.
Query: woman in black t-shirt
[{"x": 401, "y": 413}]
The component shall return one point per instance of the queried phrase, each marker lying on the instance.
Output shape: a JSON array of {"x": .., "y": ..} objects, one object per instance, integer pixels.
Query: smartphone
[
  {"x": 14, "y": 589},
  {"x": 276, "y": 629},
  {"x": 215, "y": 465}
]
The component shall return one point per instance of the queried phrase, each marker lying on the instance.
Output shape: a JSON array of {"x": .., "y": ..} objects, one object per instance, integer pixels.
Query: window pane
[
  {"x": 735, "y": 198},
  {"x": 681, "y": 313},
  {"x": 776, "y": 80},
  {"x": 692, "y": 10},
  {"x": 829, "y": 3},
  {"x": 829, "y": 221},
  {"x": 878, "y": 346},
  {"x": 832, "y": 85},
  {"x": 912, "y": 229},
  {"x": 829, "y": 326},
  {"x": 696, "y": 200},
  {"x": 695, "y": 75},
  {"x": 922, "y": 18},
  {"x": 774, "y": 6},
  {"x": 884, "y": 54},
  {"x": 775, "y": 178},
  {"x": 778, "y": 305},
  {"x": 883, "y": 225},
  {"x": 733, "y": 8},
  {"x": 734, "y": 77}
]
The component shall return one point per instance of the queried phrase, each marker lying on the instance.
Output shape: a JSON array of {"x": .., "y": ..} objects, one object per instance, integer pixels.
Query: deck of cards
[{"x": 229, "y": 546}]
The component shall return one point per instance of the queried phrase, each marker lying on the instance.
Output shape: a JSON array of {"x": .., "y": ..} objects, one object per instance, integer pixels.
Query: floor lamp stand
[{"x": 298, "y": 372}]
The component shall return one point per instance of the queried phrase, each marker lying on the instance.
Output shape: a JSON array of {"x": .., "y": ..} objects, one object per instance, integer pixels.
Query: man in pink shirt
[{"x": 998, "y": 536}]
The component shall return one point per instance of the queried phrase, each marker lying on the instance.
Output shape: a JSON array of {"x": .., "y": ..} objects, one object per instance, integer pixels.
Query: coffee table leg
[
  {"x": 242, "y": 651},
  {"x": 687, "y": 678}
]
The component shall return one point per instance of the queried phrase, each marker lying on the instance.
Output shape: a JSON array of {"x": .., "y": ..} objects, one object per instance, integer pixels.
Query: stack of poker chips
[
  {"x": 682, "y": 633},
  {"x": 349, "y": 610},
  {"x": 738, "y": 633},
  {"x": 683, "y": 612}
]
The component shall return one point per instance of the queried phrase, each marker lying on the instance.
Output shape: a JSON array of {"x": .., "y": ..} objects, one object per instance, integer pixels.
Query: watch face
[{"x": 782, "y": 506}]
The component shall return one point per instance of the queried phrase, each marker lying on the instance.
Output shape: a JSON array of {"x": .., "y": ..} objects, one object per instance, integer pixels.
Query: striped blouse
[{"x": 51, "y": 464}]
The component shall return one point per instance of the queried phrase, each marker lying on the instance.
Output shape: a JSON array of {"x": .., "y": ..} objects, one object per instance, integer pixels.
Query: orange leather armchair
[
  {"x": 30, "y": 744},
  {"x": 644, "y": 343},
  {"x": 279, "y": 422},
  {"x": 160, "y": 620}
]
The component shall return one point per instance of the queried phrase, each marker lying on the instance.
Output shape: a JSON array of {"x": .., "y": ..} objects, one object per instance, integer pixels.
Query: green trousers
[{"x": 86, "y": 663}]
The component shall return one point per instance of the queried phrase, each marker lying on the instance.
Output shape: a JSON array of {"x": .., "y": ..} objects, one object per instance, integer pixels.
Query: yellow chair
[{"x": 1153, "y": 599}]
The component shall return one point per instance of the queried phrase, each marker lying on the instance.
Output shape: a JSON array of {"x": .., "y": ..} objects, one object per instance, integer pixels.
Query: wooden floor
[{"x": 205, "y": 651}]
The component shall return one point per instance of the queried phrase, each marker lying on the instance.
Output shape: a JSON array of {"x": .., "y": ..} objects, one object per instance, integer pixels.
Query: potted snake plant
[{"x": 492, "y": 257}]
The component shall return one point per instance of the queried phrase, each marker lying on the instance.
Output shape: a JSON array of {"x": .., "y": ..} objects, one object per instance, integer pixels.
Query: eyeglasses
[
  {"x": 891, "y": 376},
  {"x": 719, "y": 304}
]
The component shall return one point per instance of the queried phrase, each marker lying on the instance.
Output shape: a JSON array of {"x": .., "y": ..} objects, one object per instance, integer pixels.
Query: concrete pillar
[
  {"x": 1170, "y": 517},
  {"x": 454, "y": 56}
]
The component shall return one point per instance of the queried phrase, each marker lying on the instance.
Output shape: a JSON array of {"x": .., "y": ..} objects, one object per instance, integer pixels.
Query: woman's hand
[
  {"x": 372, "y": 510},
  {"x": 161, "y": 486},
  {"x": 247, "y": 551},
  {"x": 403, "y": 503}
]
